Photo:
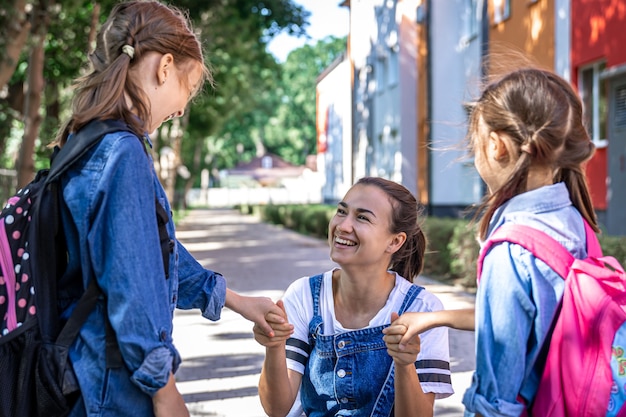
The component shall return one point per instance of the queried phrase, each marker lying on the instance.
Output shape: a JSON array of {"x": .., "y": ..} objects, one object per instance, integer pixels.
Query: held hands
[
  {"x": 254, "y": 309},
  {"x": 417, "y": 323},
  {"x": 401, "y": 346},
  {"x": 281, "y": 328}
]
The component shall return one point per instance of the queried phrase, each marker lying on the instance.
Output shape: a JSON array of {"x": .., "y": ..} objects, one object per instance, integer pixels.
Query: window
[
  {"x": 501, "y": 10},
  {"x": 266, "y": 162},
  {"x": 593, "y": 91}
]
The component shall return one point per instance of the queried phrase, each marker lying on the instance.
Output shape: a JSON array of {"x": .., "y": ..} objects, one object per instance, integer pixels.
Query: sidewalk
[{"x": 221, "y": 360}]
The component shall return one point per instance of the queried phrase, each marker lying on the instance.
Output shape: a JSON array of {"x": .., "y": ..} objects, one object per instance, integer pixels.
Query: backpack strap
[
  {"x": 84, "y": 140},
  {"x": 167, "y": 244},
  {"x": 542, "y": 246}
]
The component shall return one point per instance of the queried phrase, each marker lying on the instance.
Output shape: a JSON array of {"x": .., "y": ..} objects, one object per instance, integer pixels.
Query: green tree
[
  {"x": 280, "y": 115},
  {"x": 235, "y": 33},
  {"x": 293, "y": 132}
]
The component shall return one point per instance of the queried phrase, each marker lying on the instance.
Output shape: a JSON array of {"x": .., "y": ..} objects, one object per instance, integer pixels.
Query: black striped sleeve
[
  {"x": 432, "y": 370},
  {"x": 298, "y": 351}
]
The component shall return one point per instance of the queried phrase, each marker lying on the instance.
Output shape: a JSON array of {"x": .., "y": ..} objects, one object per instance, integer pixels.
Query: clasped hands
[{"x": 401, "y": 336}]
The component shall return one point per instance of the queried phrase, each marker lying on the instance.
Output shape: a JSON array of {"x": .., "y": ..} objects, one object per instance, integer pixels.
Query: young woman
[
  {"x": 147, "y": 65},
  {"x": 339, "y": 352},
  {"x": 529, "y": 143}
]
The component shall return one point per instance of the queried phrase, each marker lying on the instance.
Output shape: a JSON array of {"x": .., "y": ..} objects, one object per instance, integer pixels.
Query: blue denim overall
[{"x": 351, "y": 373}]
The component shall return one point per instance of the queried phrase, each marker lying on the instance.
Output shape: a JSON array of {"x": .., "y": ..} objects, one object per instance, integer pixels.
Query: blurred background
[{"x": 311, "y": 95}]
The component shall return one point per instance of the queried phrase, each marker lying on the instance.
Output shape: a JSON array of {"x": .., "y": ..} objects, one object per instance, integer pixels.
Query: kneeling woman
[{"x": 336, "y": 344}]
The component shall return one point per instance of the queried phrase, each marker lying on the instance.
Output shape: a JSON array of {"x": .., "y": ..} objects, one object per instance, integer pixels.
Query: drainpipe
[{"x": 429, "y": 101}]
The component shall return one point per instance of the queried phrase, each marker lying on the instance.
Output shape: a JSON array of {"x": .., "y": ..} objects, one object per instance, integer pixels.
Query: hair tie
[{"x": 128, "y": 50}]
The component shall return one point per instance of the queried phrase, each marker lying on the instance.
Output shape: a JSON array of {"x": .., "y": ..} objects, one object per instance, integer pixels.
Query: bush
[
  {"x": 464, "y": 250},
  {"x": 451, "y": 251},
  {"x": 614, "y": 246},
  {"x": 438, "y": 231}
]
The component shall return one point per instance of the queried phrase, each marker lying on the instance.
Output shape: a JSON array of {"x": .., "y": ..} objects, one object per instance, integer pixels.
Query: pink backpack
[{"x": 577, "y": 378}]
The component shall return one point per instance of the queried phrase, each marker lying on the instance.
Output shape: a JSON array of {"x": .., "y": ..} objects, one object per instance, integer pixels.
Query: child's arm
[
  {"x": 254, "y": 309},
  {"x": 416, "y": 323},
  {"x": 168, "y": 402}
]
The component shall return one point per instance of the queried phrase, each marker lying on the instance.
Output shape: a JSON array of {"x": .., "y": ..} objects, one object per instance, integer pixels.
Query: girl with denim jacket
[
  {"x": 529, "y": 144},
  {"x": 339, "y": 355},
  {"x": 147, "y": 65}
]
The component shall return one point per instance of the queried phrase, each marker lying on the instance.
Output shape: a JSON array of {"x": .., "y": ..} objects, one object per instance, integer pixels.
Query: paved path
[{"x": 221, "y": 360}]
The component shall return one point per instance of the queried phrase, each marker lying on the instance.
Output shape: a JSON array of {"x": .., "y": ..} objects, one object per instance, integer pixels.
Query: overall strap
[
  {"x": 316, "y": 285},
  {"x": 316, "y": 325},
  {"x": 410, "y": 296}
]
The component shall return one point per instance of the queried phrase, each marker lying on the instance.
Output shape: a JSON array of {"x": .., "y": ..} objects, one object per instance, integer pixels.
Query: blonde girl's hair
[
  {"x": 543, "y": 116},
  {"x": 133, "y": 29},
  {"x": 408, "y": 261}
]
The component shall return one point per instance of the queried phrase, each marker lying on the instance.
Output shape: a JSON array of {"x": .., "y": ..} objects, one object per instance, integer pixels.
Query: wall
[
  {"x": 529, "y": 29},
  {"x": 455, "y": 74},
  {"x": 334, "y": 101}
]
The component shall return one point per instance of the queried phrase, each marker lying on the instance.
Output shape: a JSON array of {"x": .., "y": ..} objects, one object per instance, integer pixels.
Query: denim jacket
[
  {"x": 516, "y": 301},
  {"x": 110, "y": 223}
]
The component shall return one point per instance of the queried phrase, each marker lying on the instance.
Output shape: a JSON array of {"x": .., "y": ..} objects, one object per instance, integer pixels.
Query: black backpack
[{"x": 36, "y": 374}]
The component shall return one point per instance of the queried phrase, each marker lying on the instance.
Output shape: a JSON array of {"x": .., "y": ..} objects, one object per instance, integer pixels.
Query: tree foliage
[
  {"x": 256, "y": 104},
  {"x": 293, "y": 133}
]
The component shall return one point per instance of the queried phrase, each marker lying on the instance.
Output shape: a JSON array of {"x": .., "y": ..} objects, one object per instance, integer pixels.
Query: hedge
[{"x": 452, "y": 247}]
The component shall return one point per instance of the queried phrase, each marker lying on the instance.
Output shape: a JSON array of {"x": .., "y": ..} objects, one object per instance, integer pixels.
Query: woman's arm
[
  {"x": 278, "y": 386},
  {"x": 410, "y": 399}
]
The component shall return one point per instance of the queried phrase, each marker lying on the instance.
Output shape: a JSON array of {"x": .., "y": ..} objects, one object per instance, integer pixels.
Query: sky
[{"x": 327, "y": 18}]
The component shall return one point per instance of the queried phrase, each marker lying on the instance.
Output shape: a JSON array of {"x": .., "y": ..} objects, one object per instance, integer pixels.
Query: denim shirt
[
  {"x": 516, "y": 301},
  {"x": 112, "y": 234}
]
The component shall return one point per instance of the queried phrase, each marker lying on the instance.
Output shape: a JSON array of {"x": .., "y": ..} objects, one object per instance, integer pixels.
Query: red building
[{"x": 598, "y": 69}]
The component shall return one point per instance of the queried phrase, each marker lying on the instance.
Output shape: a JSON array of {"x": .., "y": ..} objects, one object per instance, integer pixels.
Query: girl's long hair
[
  {"x": 146, "y": 26},
  {"x": 543, "y": 116}
]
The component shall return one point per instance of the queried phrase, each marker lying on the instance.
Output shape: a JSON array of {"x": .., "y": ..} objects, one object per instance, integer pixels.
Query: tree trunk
[
  {"x": 93, "y": 29},
  {"x": 197, "y": 160},
  {"x": 34, "y": 90},
  {"x": 15, "y": 36}
]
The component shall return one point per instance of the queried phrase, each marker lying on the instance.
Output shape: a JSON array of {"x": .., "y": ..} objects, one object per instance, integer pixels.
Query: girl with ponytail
[{"x": 529, "y": 144}]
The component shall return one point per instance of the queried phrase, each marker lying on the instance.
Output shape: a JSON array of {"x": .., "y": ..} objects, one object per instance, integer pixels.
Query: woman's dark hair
[
  {"x": 543, "y": 117},
  {"x": 408, "y": 261},
  {"x": 146, "y": 26}
]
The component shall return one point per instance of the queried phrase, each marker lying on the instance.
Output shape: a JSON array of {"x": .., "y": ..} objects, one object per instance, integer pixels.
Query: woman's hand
[
  {"x": 405, "y": 354},
  {"x": 417, "y": 323},
  {"x": 255, "y": 309},
  {"x": 281, "y": 328}
]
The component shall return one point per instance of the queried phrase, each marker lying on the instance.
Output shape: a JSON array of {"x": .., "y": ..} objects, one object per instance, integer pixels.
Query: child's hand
[
  {"x": 281, "y": 328},
  {"x": 414, "y": 324},
  {"x": 405, "y": 353},
  {"x": 255, "y": 309}
]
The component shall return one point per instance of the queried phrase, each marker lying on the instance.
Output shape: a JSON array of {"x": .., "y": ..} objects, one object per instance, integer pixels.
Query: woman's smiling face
[{"x": 360, "y": 229}]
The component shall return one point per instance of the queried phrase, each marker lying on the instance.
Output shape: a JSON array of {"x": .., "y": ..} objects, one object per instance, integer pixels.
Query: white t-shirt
[{"x": 434, "y": 343}]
